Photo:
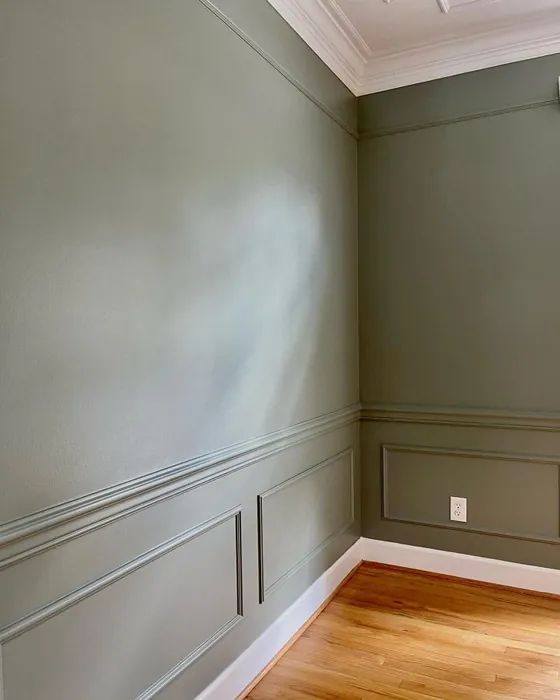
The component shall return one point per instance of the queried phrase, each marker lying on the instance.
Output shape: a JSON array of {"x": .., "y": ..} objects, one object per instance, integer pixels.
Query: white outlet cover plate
[{"x": 458, "y": 509}]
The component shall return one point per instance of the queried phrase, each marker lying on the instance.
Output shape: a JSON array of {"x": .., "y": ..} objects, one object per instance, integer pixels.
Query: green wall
[
  {"x": 178, "y": 297},
  {"x": 179, "y": 418},
  {"x": 459, "y": 331}
]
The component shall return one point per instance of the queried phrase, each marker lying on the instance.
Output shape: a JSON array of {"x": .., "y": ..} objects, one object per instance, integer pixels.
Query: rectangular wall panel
[
  {"x": 300, "y": 515},
  {"x": 126, "y": 593},
  {"x": 134, "y": 630},
  {"x": 507, "y": 494}
]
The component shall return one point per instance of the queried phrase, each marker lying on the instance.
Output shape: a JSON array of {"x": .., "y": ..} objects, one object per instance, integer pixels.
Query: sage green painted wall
[
  {"x": 459, "y": 250},
  {"x": 178, "y": 191},
  {"x": 178, "y": 244},
  {"x": 178, "y": 275}
]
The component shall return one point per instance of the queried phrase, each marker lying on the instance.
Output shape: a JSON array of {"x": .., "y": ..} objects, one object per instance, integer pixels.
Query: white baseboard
[
  {"x": 233, "y": 681},
  {"x": 505, "y": 573}
]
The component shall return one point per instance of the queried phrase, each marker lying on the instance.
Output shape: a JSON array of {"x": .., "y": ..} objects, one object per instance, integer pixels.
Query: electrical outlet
[{"x": 458, "y": 509}]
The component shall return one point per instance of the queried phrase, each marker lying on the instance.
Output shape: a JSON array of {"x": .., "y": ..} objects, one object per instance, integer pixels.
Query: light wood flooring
[{"x": 391, "y": 633}]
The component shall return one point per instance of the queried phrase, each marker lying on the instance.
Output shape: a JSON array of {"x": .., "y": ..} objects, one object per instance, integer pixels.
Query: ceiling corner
[{"x": 329, "y": 33}]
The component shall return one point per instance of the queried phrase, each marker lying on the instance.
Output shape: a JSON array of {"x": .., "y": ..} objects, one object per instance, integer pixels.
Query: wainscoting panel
[
  {"x": 79, "y": 560},
  {"x": 152, "y": 586},
  {"x": 299, "y": 516},
  {"x": 77, "y": 542},
  {"x": 505, "y": 464},
  {"x": 508, "y": 494},
  {"x": 74, "y": 649}
]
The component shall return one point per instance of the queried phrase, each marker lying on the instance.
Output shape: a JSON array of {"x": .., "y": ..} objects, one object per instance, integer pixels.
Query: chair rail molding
[
  {"x": 466, "y": 417},
  {"x": 34, "y": 533}
]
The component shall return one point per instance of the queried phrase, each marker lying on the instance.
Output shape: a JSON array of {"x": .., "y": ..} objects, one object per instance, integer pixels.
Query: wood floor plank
[{"x": 393, "y": 633}]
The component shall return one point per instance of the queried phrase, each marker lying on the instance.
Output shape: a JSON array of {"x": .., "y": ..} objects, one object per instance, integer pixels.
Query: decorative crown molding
[
  {"x": 518, "y": 42},
  {"x": 447, "y": 5},
  {"x": 327, "y": 30},
  {"x": 324, "y": 26}
]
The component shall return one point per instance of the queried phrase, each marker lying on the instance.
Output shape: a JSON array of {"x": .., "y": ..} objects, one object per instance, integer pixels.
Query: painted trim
[
  {"x": 264, "y": 590},
  {"x": 391, "y": 131},
  {"x": 448, "y": 5},
  {"x": 176, "y": 671},
  {"x": 240, "y": 674},
  {"x": 81, "y": 515},
  {"x": 37, "y": 532},
  {"x": 467, "y": 454},
  {"x": 462, "y": 417},
  {"x": 326, "y": 29},
  {"x": 238, "y": 677},
  {"x": 338, "y": 43},
  {"x": 465, "y": 566},
  {"x": 239, "y": 564},
  {"x": 48, "y": 611},
  {"x": 518, "y": 42},
  {"x": 277, "y": 66}
]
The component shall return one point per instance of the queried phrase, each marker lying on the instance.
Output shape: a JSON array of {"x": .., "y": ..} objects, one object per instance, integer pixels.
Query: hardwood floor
[{"x": 392, "y": 633}]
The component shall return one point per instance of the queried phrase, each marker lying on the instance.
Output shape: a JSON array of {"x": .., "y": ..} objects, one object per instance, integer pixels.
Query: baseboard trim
[
  {"x": 465, "y": 566},
  {"x": 249, "y": 668},
  {"x": 238, "y": 679}
]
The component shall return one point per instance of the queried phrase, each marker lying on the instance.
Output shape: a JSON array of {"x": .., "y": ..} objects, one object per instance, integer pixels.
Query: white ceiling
[{"x": 375, "y": 45}]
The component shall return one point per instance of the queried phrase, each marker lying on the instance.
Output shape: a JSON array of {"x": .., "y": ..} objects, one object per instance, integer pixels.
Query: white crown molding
[
  {"x": 323, "y": 25},
  {"x": 448, "y": 5},
  {"x": 430, "y": 62},
  {"x": 327, "y": 30}
]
